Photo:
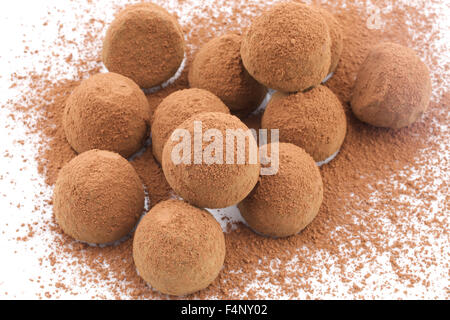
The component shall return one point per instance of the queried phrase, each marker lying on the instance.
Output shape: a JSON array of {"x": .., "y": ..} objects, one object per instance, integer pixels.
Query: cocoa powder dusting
[{"x": 385, "y": 201}]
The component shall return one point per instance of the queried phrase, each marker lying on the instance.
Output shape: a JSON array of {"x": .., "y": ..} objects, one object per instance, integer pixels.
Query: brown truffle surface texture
[
  {"x": 283, "y": 204},
  {"x": 98, "y": 197},
  {"x": 178, "y": 249},
  {"x": 228, "y": 166},
  {"x": 313, "y": 120},
  {"x": 336, "y": 36},
  {"x": 178, "y": 107},
  {"x": 288, "y": 48},
  {"x": 218, "y": 68},
  {"x": 108, "y": 112},
  {"x": 144, "y": 43},
  {"x": 393, "y": 87}
]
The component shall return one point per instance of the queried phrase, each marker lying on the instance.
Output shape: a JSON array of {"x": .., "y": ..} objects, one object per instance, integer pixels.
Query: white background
[{"x": 19, "y": 181}]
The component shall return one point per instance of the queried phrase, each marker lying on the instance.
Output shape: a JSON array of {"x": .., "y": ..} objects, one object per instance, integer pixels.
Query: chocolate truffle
[
  {"x": 283, "y": 204},
  {"x": 313, "y": 120},
  {"x": 219, "y": 173},
  {"x": 178, "y": 107},
  {"x": 98, "y": 197},
  {"x": 288, "y": 48},
  {"x": 218, "y": 68},
  {"x": 393, "y": 87},
  {"x": 144, "y": 43},
  {"x": 178, "y": 249},
  {"x": 336, "y": 36},
  {"x": 108, "y": 112}
]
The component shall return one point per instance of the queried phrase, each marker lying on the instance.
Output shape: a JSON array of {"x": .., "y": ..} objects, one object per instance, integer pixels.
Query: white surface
[{"x": 20, "y": 183}]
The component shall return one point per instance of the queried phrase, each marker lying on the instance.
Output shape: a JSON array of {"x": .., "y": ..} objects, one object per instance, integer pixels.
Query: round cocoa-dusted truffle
[
  {"x": 288, "y": 48},
  {"x": 313, "y": 120},
  {"x": 98, "y": 197},
  {"x": 217, "y": 173},
  {"x": 393, "y": 87},
  {"x": 283, "y": 204},
  {"x": 178, "y": 249},
  {"x": 336, "y": 36},
  {"x": 178, "y": 107},
  {"x": 108, "y": 112},
  {"x": 144, "y": 43},
  {"x": 218, "y": 68}
]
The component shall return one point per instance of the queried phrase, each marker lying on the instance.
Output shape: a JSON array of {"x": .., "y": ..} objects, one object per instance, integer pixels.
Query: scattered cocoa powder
[{"x": 385, "y": 196}]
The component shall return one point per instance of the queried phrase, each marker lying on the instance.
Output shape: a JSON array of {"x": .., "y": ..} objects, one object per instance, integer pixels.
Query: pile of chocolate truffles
[{"x": 179, "y": 248}]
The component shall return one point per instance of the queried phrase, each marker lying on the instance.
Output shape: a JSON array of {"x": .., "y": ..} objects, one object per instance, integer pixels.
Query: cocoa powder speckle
[{"x": 382, "y": 230}]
